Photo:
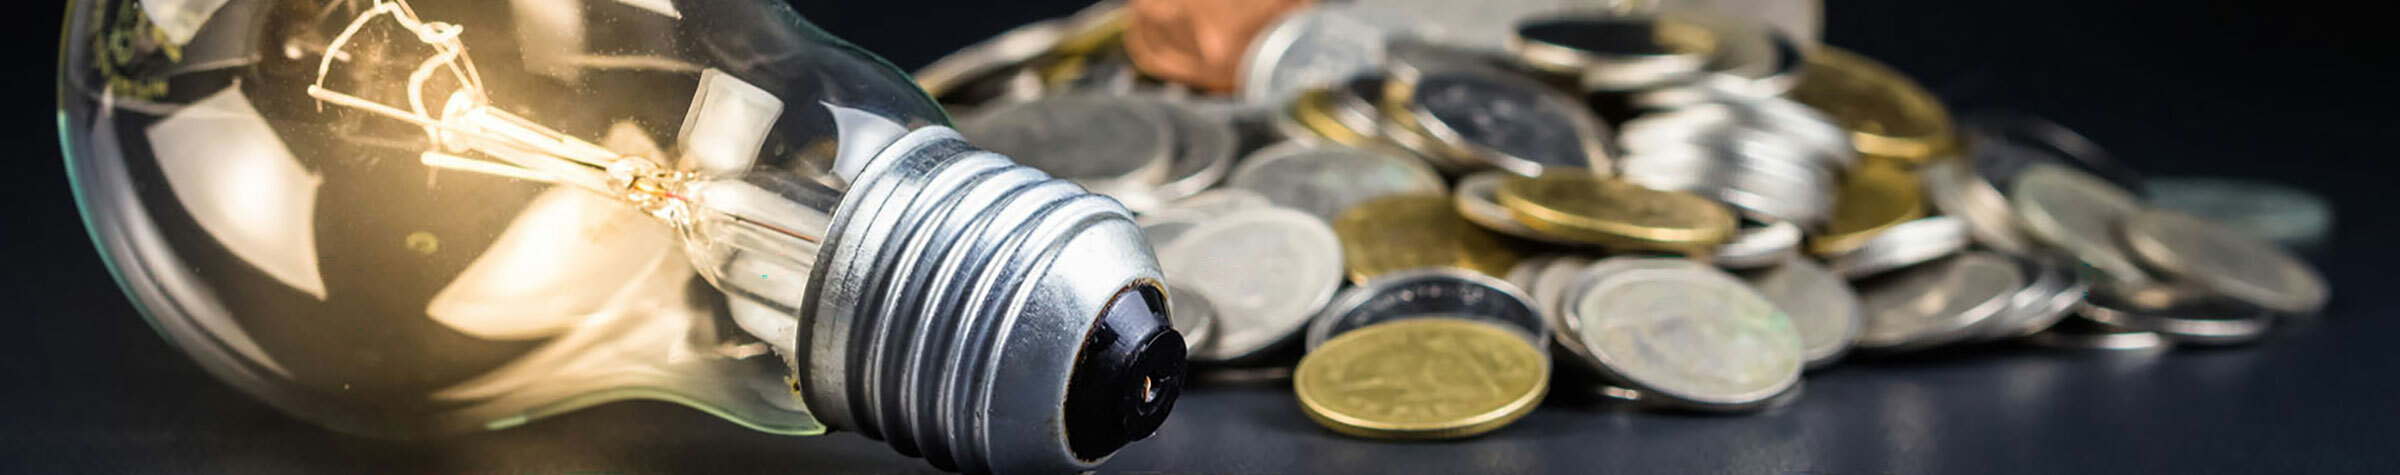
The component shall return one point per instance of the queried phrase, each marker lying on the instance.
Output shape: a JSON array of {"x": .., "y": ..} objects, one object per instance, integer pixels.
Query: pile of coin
[{"x": 1420, "y": 214}]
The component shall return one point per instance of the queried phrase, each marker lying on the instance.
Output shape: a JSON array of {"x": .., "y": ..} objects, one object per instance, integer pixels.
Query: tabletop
[{"x": 2207, "y": 88}]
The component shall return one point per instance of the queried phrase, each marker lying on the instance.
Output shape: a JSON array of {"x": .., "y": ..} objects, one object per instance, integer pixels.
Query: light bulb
[{"x": 396, "y": 217}]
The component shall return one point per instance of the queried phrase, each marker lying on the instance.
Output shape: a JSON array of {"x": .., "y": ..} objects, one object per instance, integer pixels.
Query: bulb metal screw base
[{"x": 985, "y": 316}]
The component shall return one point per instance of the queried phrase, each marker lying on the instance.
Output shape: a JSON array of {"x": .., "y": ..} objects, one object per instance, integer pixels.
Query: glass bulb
[{"x": 399, "y": 218}]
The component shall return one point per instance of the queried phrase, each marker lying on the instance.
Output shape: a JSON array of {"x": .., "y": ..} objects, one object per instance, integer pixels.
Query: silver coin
[
  {"x": 1430, "y": 293},
  {"x": 1821, "y": 304},
  {"x": 1761, "y": 242},
  {"x": 1108, "y": 144},
  {"x": 2200, "y": 321},
  {"x": 1320, "y": 45},
  {"x": 1508, "y": 122},
  {"x": 1007, "y": 50},
  {"x": 1549, "y": 291},
  {"x": 2051, "y": 291},
  {"x": 2289, "y": 216},
  {"x": 1937, "y": 303},
  {"x": 1326, "y": 179},
  {"x": 1721, "y": 118},
  {"x": 1191, "y": 315},
  {"x": 1618, "y": 52},
  {"x": 1906, "y": 244},
  {"x": 1264, "y": 270},
  {"x": 1203, "y": 153},
  {"x": 1522, "y": 275},
  {"x": 2078, "y": 213},
  {"x": 1756, "y": 183},
  {"x": 1684, "y": 332},
  {"x": 2077, "y": 333},
  {"x": 2225, "y": 261},
  {"x": 1956, "y": 190}
]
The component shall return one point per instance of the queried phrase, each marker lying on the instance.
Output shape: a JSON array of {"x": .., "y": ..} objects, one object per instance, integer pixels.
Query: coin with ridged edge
[{"x": 1427, "y": 378}]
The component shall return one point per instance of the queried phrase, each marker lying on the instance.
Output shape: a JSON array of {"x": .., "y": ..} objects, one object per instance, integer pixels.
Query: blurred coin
[
  {"x": 2201, "y": 321},
  {"x": 1203, "y": 152},
  {"x": 1339, "y": 114},
  {"x": 1614, "y": 213},
  {"x": 1911, "y": 243},
  {"x": 1477, "y": 200},
  {"x": 1104, "y": 70},
  {"x": 2077, "y": 333},
  {"x": 1767, "y": 67},
  {"x": 1211, "y": 204},
  {"x": 1108, "y": 144},
  {"x": 1432, "y": 292},
  {"x": 1191, "y": 315},
  {"x": 1486, "y": 25},
  {"x": 1802, "y": 20},
  {"x": 1748, "y": 176},
  {"x": 1319, "y": 45},
  {"x": 1549, "y": 292},
  {"x": 983, "y": 59},
  {"x": 2292, "y": 217},
  {"x": 1198, "y": 43},
  {"x": 1616, "y": 52},
  {"x": 1163, "y": 230},
  {"x": 1760, "y": 242},
  {"x": 1506, "y": 122},
  {"x": 1326, "y": 179},
  {"x": 1874, "y": 197},
  {"x": 1956, "y": 190},
  {"x": 2003, "y": 143},
  {"x": 2051, "y": 291},
  {"x": 1888, "y": 115},
  {"x": 1937, "y": 303},
  {"x": 1822, "y": 306},
  {"x": 1264, "y": 270},
  {"x": 1522, "y": 274},
  {"x": 1684, "y": 332},
  {"x": 1720, "y": 118},
  {"x": 2078, "y": 213},
  {"x": 1412, "y": 231},
  {"x": 2225, "y": 261},
  {"x": 1427, "y": 378}
]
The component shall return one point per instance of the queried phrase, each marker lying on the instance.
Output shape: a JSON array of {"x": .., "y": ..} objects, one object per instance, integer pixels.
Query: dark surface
[{"x": 2261, "y": 91}]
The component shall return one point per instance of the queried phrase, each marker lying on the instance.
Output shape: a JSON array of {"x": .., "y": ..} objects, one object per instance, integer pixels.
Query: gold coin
[
  {"x": 1313, "y": 111},
  {"x": 1580, "y": 206},
  {"x": 1423, "y": 378},
  {"x": 1401, "y": 232},
  {"x": 1888, "y": 115},
  {"x": 1875, "y": 195}
]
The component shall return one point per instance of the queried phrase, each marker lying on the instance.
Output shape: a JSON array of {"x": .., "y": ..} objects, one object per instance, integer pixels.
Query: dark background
[{"x": 2263, "y": 90}]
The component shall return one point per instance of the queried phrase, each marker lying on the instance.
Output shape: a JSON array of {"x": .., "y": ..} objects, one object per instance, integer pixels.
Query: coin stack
[{"x": 1425, "y": 217}]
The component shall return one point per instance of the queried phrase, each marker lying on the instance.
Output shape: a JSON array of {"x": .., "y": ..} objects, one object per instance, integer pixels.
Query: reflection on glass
[
  {"x": 399, "y": 217},
  {"x": 244, "y": 188}
]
